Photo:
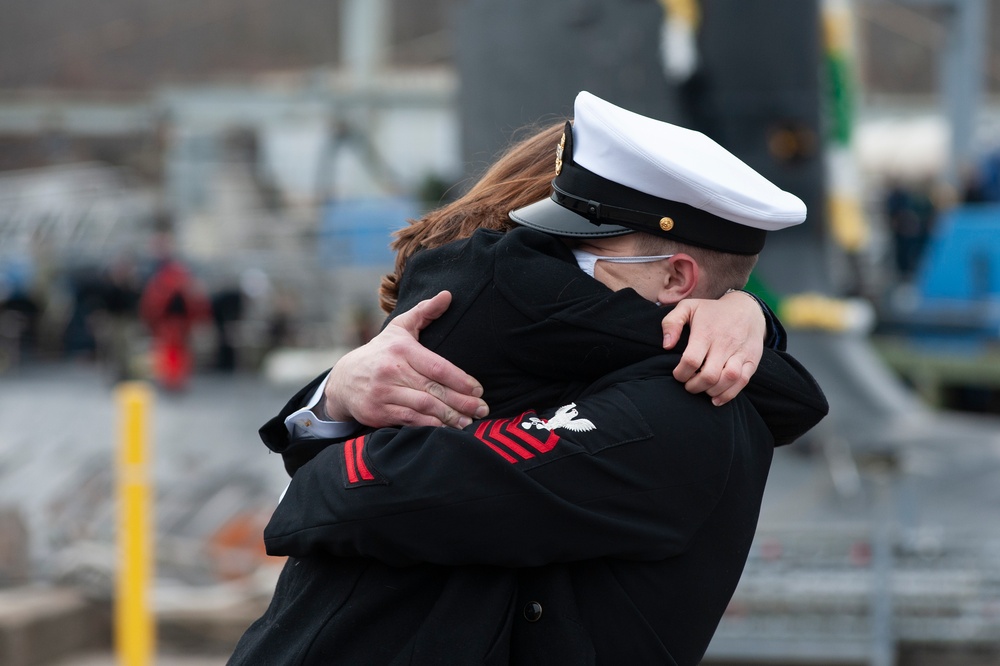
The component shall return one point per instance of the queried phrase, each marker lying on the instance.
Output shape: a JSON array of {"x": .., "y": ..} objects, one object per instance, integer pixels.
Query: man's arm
[
  {"x": 621, "y": 473},
  {"x": 392, "y": 380}
]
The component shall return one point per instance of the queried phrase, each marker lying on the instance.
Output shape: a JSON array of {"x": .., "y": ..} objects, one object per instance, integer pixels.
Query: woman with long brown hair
[{"x": 393, "y": 380}]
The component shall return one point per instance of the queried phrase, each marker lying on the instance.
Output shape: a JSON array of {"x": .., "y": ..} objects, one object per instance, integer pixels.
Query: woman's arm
[{"x": 725, "y": 346}]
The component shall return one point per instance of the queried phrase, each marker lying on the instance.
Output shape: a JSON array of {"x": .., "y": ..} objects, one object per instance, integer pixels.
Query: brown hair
[{"x": 521, "y": 176}]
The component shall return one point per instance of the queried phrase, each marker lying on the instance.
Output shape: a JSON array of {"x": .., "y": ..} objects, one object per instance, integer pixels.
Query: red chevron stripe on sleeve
[
  {"x": 357, "y": 470},
  {"x": 501, "y": 436},
  {"x": 362, "y": 468}
]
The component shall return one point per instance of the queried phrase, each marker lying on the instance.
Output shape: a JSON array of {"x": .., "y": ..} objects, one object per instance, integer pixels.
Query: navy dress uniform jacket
[{"x": 611, "y": 527}]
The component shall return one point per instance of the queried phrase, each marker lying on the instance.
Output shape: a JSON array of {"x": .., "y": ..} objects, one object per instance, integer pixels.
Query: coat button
[{"x": 533, "y": 611}]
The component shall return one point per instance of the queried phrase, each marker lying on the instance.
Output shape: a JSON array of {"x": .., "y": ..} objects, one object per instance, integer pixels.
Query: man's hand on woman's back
[{"x": 393, "y": 380}]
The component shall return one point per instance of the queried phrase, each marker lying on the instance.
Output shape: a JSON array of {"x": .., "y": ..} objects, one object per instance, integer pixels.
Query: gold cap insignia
[
  {"x": 666, "y": 223},
  {"x": 559, "y": 153}
]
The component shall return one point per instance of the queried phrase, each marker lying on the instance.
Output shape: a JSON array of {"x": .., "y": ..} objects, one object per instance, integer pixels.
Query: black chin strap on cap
[{"x": 609, "y": 202}]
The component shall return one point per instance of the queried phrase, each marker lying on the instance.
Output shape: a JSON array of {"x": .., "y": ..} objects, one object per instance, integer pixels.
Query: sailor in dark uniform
[{"x": 603, "y": 514}]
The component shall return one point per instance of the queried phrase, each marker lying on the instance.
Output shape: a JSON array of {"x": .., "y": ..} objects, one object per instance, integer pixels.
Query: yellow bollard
[{"x": 134, "y": 625}]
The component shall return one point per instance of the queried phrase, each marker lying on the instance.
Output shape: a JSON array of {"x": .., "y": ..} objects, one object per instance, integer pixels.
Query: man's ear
[{"x": 680, "y": 279}]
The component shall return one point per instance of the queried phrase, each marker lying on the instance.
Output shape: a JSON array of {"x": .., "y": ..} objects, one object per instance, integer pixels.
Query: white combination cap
[{"x": 618, "y": 172}]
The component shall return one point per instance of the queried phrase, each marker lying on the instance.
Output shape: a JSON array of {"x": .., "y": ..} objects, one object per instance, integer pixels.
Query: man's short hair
[{"x": 720, "y": 270}]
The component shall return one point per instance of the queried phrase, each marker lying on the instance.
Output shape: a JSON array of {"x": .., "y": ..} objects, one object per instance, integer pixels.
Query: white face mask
[{"x": 588, "y": 260}]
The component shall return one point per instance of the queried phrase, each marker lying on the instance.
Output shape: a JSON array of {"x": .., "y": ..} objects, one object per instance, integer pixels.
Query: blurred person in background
[
  {"x": 911, "y": 213},
  {"x": 251, "y": 318},
  {"x": 227, "y": 313},
  {"x": 119, "y": 317},
  {"x": 19, "y": 318},
  {"x": 171, "y": 305}
]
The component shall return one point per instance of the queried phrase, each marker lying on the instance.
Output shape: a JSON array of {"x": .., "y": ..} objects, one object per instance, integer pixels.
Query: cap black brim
[{"x": 548, "y": 216}]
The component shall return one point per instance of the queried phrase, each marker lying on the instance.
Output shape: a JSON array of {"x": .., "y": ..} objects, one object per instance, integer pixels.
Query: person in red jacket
[{"x": 172, "y": 304}]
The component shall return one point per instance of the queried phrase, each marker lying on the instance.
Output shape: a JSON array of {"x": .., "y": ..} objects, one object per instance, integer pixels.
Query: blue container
[
  {"x": 357, "y": 232},
  {"x": 963, "y": 259}
]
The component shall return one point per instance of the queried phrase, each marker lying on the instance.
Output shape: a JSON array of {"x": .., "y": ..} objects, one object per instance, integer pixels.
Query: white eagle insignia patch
[{"x": 565, "y": 417}]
